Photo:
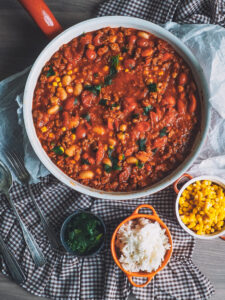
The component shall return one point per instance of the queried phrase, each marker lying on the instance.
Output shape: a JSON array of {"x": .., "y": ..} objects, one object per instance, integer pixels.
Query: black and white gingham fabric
[
  {"x": 98, "y": 278},
  {"x": 160, "y": 11}
]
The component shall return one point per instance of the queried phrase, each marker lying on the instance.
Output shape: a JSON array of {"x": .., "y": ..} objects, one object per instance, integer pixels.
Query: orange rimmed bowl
[{"x": 155, "y": 218}]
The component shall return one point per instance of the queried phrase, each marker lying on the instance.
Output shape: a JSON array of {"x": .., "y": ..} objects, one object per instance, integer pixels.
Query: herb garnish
[
  {"x": 50, "y": 72},
  {"x": 147, "y": 109},
  {"x": 163, "y": 132},
  {"x": 110, "y": 151},
  {"x": 87, "y": 117},
  {"x": 114, "y": 166},
  {"x": 95, "y": 89},
  {"x": 124, "y": 50},
  {"x": 135, "y": 116},
  {"x": 103, "y": 102},
  {"x": 107, "y": 168},
  {"x": 84, "y": 161},
  {"x": 58, "y": 150},
  {"x": 114, "y": 105},
  {"x": 141, "y": 143},
  {"x": 140, "y": 165},
  {"x": 114, "y": 62},
  {"x": 154, "y": 150},
  {"x": 152, "y": 87},
  {"x": 84, "y": 233},
  {"x": 75, "y": 101},
  {"x": 95, "y": 75}
]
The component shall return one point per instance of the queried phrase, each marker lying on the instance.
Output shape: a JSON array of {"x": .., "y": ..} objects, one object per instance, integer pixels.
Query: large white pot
[{"x": 95, "y": 24}]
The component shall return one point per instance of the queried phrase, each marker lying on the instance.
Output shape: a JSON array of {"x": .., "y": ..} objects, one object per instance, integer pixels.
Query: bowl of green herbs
[{"x": 83, "y": 233}]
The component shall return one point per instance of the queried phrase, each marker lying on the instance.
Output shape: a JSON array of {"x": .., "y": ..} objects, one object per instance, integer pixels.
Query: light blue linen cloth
[{"x": 207, "y": 42}]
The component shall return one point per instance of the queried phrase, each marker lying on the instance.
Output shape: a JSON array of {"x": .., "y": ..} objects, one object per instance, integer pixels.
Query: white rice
[{"x": 142, "y": 245}]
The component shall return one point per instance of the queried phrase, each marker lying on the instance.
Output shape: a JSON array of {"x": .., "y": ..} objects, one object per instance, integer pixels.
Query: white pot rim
[
  {"x": 214, "y": 179},
  {"x": 91, "y": 25}
]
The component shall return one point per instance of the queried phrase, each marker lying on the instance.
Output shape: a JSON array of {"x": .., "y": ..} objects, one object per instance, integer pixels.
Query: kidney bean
[
  {"x": 69, "y": 104},
  {"x": 181, "y": 106},
  {"x": 143, "y": 43},
  {"x": 182, "y": 79},
  {"x": 142, "y": 126},
  {"x": 81, "y": 132},
  {"x": 87, "y": 98},
  {"x": 124, "y": 175},
  {"x": 100, "y": 153},
  {"x": 91, "y": 54},
  {"x": 193, "y": 103},
  {"x": 129, "y": 63}
]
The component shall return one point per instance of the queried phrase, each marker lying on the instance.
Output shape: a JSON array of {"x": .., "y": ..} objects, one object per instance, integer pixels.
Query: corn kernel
[
  {"x": 44, "y": 129},
  {"x": 121, "y": 157},
  {"x": 55, "y": 83},
  {"x": 69, "y": 72},
  {"x": 123, "y": 127},
  {"x": 63, "y": 128},
  {"x": 126, "y": 70},
  {"x": 161, "y": 73},
  {"x": 121, "y": 136},
  {"x": 60, "y": 84},
  {"x": 57, "y": 79},
  {"x": 121, "y": 58},
  {"x": 203, "y": 202},
  {"x": 106, "y": 68},
  {"x": 73, "y": 136},
  {"x": 51, "y": 135}
]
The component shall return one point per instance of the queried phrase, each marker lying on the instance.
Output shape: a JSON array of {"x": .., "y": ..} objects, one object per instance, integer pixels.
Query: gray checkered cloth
[{"x": 98, "y": 278}]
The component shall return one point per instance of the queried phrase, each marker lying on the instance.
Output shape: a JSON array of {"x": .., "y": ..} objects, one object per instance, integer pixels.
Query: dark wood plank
[{"x": 21, "y": 42}]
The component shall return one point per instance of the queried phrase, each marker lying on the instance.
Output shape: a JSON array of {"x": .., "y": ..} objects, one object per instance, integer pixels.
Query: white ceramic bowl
[
  {"x": 214, "y": 179},
  {"x": 95, "y": 24}
]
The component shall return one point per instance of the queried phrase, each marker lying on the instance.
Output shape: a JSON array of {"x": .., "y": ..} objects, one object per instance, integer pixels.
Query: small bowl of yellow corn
[{"x": 200, "y": 206}]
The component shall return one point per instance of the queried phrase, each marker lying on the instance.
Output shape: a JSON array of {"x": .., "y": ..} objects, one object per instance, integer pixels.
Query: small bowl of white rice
[{"x": 141, "y": 245}]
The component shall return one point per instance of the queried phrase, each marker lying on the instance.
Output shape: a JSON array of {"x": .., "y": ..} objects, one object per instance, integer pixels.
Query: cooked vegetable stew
[{"x": 116, "y": 109}]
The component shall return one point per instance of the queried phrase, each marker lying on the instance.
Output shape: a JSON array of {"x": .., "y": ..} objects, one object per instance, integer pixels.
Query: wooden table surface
[{"x": 20, "y": 43}]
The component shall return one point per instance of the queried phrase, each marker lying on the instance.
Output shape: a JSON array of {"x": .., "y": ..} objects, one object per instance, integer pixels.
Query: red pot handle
[
  {"x": 222, "y": 237},
  {"x": 136, "y": 211},
  {"x": 42, "y": 15},
  {"x": 179, "y": 179}
]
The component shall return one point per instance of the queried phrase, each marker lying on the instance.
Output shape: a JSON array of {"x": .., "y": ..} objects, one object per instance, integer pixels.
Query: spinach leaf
[
  {"x": 141, "y": 143},
  {"x": 58, "y": 150},
  {"x": 75, "y": 101},
  {"x": 110, "y": 151},
  {"x": 135, "y": 116},
  {"x": 84, "y": 161},
  {"x": 107, "y": 168},
  {"x": 50, "y": 72},
  {"x": 103, "y": 102},
  {"x": 124, "y": 50},
  {"x": 147, "y": 109},
  {"x": 163, "y": 132},
  {"x": 114, "y": 105},
  {"x": 114, "y": 62},
  {"x": 140, "y": 165},
  {"x": 95, "y": 89},
  {"x": 87, "y": 117},
  {"x": 115, "y": 165},
  {"x": 152, "y": 87}
]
